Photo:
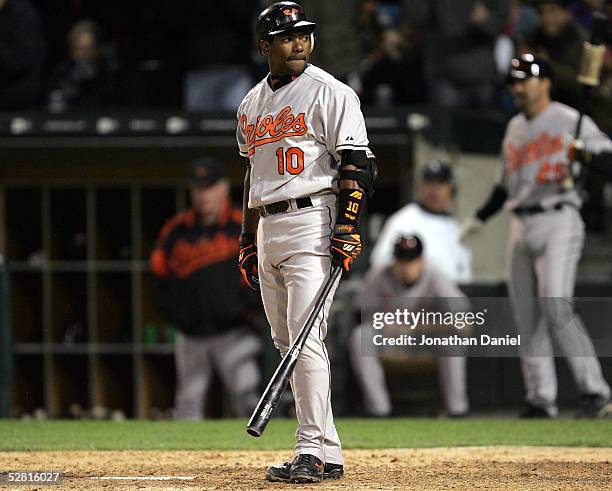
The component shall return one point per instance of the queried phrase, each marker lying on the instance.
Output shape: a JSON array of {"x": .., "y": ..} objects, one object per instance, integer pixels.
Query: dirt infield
[{"x": 422, "y": 469}]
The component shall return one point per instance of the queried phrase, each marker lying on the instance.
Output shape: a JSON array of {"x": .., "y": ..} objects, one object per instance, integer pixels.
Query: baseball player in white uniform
[
  {"x": 546, "y": 239},
  {"x": 431, "y": 218},
  {"x": 309, "y": 171}
]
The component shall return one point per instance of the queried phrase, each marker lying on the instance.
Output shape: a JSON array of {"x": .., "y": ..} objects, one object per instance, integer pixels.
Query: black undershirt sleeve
[
  {"x": 601, "y": 163},
  {"x": 495, "y": 202}
]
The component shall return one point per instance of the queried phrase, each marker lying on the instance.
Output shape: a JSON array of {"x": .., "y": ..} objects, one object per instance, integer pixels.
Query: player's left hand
[
  {"x": 471, "y": 226},
  {"x": 247, "y": 259},
  {"x": 345, "y": 245}
]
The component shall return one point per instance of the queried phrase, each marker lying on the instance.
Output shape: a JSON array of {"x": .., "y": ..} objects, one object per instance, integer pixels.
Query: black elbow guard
[{"x": 366, "y": 172}]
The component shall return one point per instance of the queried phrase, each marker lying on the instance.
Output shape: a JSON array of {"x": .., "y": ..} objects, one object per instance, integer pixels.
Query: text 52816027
[{"x": 29, "y": 477}]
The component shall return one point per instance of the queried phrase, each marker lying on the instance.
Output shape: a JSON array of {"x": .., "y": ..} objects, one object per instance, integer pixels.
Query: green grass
[{"x": 355, "y": 433}]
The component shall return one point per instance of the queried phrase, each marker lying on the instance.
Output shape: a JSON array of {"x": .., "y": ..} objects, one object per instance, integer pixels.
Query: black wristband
[
  {"x": 350, "y": 202},
  {"x": 246, "y": 238}
]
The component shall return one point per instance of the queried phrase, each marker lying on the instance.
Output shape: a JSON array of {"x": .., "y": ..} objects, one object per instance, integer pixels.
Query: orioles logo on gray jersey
[{"x": 269, "y": 129}]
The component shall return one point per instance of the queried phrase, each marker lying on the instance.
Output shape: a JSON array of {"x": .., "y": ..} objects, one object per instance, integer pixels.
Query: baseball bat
[
  {"x": 269, "y": 399},
  {"x": 593, "y": 53}
]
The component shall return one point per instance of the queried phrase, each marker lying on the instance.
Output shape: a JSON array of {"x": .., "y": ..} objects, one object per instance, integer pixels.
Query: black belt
[
  {"x": 284, "y": 206},
  {"x": 534, "y": 209}
]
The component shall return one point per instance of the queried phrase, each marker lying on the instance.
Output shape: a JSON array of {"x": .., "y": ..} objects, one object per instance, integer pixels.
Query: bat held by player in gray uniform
[
  {"x": 593, "y": 53},
  {"x": 269, "y": 399}
]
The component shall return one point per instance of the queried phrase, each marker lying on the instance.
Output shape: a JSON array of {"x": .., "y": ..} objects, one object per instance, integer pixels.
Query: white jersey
[
  {"x": 293, "y": 136},
  {"x": 440, "y": 235},
  {"x": 534, "y": 156}
]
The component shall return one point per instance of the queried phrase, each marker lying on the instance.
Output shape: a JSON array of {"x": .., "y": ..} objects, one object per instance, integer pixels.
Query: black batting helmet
[
  {"x": 281, "y": 17},
  {"x": 408, "y": 248},
  {"x": 526, "y": 66}
]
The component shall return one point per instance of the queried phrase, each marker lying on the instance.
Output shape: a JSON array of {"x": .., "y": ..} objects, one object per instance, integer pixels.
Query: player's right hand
[
  {"x": 469, "y": 227},
  {"x": 247, "y": 260},
  {"x": 345, "y": 245},
  {"x": 577, "y": 152}
]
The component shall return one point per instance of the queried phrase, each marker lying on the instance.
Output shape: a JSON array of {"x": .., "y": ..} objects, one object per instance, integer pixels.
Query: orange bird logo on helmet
[{"x": 289, "y": 11}]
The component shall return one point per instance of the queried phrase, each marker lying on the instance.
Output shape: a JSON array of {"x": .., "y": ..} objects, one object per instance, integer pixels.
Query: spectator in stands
[
  {"x": 199, "y": 288},
  {"x": 219, "y": 39},
  {"x": 22, "y": 55},
  {"x": 457, "y": 38},
  {"x": 415, "y": 283},
  {"x": 523, "y": 20},
  {"x": 88, "y": 77},
  {"x": 559, "y": 41},
  {"x": 337, "y": 48},
  {"x": 370, "y": 25},
  {"x": 582, "y": 11},
  {"x": 393, "y": 73}
]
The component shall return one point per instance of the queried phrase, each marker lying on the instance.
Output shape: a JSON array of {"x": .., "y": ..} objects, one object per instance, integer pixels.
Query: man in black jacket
[
  {"x": 21, "y": 55},
  {"x": 199, "y": 288},
  {"x": 457, "y": 38}
]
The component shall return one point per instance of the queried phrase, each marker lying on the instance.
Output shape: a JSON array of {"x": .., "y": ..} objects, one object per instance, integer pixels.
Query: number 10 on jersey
[{"x": 291, "y": 160}]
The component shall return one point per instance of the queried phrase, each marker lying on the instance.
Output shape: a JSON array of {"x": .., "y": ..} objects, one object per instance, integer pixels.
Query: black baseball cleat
[
  {"x": 282, "y": 472},
  {"x": 333, "y": 471},
  {"x": 593, "y": 406},
  {"x": 279, "y": 472},
  {"x": 307, "y": 468},
  {"x": 535, "y": 412}
]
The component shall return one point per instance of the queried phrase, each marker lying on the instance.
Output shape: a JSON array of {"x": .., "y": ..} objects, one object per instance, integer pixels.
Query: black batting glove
[
  {"x": 247, "y": 261},
  {"x": 345, "y": 245}
]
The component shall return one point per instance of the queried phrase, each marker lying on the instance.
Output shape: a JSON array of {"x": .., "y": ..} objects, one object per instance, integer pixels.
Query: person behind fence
[
  {"x": 88, "y": 77},
  {"x": 412, "y": 280},
  {"x": 22, "y": 55},
  {"x": 199, "y": 288}
]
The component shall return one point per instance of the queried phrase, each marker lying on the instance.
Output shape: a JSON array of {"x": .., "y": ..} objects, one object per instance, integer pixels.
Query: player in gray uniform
[
  {"x": 309, "y": 170},
  {"x": 412, "y": 279},
  {"x": 546, "y": 239}
]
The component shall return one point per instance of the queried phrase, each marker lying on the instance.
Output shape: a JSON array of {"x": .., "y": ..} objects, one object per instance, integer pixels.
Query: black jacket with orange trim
[{"x": 197, "y": 281}]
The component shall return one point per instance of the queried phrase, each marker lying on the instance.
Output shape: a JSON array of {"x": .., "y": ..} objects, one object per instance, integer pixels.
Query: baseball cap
[
  {"x": 205, "y": 171},
  {"x": 408, "y": 248},
  {"x": 528, "y": 65},
  {"x": 435, "y": 169}
]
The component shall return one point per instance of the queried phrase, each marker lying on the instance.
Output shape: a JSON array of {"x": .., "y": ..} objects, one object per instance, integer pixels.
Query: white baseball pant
[
  {"x": 294, "y": 263},
  {"x": 544, "y": 250},
  {"x": 232, "y": 355}
]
